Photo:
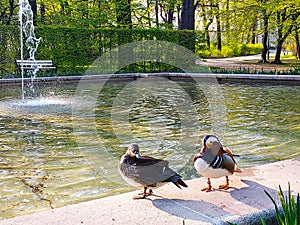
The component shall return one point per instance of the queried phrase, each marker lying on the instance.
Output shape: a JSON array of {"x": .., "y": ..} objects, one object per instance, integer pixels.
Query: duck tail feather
[
  {"x": 176, "y": 179},
  {"x": 180, "y": 183}
]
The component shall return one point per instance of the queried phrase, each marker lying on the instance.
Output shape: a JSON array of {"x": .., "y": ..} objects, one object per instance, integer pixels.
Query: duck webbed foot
[
  {"x": 144, "y": 194},
  {"x": 225, "y": 186},
  {"x": 208, "y": 188}
]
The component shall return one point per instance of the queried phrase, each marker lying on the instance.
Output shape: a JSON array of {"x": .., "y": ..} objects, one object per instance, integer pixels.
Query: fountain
[{"x": 31, "y": 42}]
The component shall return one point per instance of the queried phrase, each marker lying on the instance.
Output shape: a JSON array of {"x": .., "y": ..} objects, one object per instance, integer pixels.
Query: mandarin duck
[
  {"x": 214, "y": 161},
  {"x": 146, "y": 172}
]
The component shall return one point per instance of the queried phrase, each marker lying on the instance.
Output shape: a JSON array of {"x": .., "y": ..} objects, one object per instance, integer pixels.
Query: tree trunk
[
  {"x": 277, "y": 59},
  {"x": 297, "y": 43},
  {"x": 207, "y": 37},
  {"x": 187, "y": 15},
  {"x": 42, "y": 12},
  {"x": 253, "y": 38},
  {"x": 265, "y": 49},
  {"x": 280, "y": 40},
  {"x": 34, "y": 10},
  {"x": 219, "y": 37},
  {"x": 187, "y": 39}
]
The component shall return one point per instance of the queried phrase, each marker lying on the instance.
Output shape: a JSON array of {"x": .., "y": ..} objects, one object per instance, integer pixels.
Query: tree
[
  {"x": 286, "y": 17},
  {"x": 167, "y": 11},
  {"x": 207, "y": 15},
  {"x": 7, "y": 11}
]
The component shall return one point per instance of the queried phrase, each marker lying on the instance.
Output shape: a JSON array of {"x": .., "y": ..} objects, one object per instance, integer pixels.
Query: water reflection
[
  {"x": 266, "y": 121},
  {"x": 42, "y": 165}
]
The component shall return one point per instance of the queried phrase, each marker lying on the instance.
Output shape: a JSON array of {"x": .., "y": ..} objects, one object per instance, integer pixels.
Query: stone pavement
[{"x": 243, "y": 203}]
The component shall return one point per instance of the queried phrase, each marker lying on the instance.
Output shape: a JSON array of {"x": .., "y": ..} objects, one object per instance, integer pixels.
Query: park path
[{"x": 250, "y": 62}]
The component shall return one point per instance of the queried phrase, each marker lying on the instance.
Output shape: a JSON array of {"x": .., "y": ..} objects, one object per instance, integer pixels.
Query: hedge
[{"x": 72, "y": 50}]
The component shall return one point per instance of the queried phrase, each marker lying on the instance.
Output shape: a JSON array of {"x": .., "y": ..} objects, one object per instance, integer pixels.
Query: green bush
[
  {"x": 204, "y": 54},
  {"x": 227, "y": 52},
  {"x": 72, "y": 50},
  {"x": 255, "y": 48},
  {"x": 231, "y": 50}
]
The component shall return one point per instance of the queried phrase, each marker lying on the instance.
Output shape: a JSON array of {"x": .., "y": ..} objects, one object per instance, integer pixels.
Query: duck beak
[{"x": 138, "y": 155}]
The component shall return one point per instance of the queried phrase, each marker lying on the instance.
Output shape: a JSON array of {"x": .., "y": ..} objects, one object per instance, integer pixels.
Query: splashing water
[{"x": 31, "y": 42}]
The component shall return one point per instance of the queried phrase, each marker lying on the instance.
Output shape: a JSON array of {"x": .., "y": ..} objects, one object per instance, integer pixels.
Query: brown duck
[{"x": 146, "y": 172}]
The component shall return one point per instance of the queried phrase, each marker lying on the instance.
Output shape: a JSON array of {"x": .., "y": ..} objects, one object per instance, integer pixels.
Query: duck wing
[
  {"x": 224, "y": 161},
  {"x": 148, "y": 171}
]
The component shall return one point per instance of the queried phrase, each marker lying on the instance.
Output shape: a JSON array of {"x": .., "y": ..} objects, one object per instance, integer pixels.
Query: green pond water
[{"x": 59, "y": 149}]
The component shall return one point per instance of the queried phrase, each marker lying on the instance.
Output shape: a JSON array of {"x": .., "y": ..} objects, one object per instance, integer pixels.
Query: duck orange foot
[
  {"x": 208, "y": 188},
  {"x": 224, "y": 187},
  {"x": 140, "y": 197}
]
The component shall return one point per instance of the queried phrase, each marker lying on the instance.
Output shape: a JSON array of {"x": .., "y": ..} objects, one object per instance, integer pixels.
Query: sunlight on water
[
  {"x": 42, "y": 102},
  {"x": 42, "y": 166},
  {"x": 37, "y": 106}
]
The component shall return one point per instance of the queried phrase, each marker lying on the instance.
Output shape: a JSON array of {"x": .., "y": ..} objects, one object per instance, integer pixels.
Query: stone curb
[
  {"x": 243, "y": 203},
  {"x": 281, "y": 79}
]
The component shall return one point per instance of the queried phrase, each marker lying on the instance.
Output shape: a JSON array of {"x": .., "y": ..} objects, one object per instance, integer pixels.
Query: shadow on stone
[
  {"x": 253, "y": 195},
  {"x": 191, "y": 209}
]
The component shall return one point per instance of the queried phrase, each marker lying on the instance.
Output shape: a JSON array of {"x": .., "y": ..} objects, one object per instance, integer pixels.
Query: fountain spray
[
  {"x": 21, "y": 43},
  {"x": 31, "y": 42}
]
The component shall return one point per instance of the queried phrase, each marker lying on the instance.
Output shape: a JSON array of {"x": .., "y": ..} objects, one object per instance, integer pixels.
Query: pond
[{"x": 63, "y": 146}]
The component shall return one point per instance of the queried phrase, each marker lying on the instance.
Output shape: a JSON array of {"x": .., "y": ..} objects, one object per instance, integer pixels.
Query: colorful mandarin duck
[
  {"x": 214, "y": 161},
  {"x": 147, "y": 172}
]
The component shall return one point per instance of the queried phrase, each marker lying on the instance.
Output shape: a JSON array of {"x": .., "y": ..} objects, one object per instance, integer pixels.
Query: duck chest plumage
[{"x": 214, "y": 166}]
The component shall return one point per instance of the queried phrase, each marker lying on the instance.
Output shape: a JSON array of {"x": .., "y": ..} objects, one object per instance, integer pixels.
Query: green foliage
[
  {"x": 74, "y": 13},
  {"x": 9, "y": 49},
  {"x": 262, "y": 220},
  {"x": 150, "y": 67},
  {"x": 227, "y": 51},
  {"x": 72, "y": 50},
  {"x": 290, "y": 208},
  {"x": 231, "y": 50}
]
